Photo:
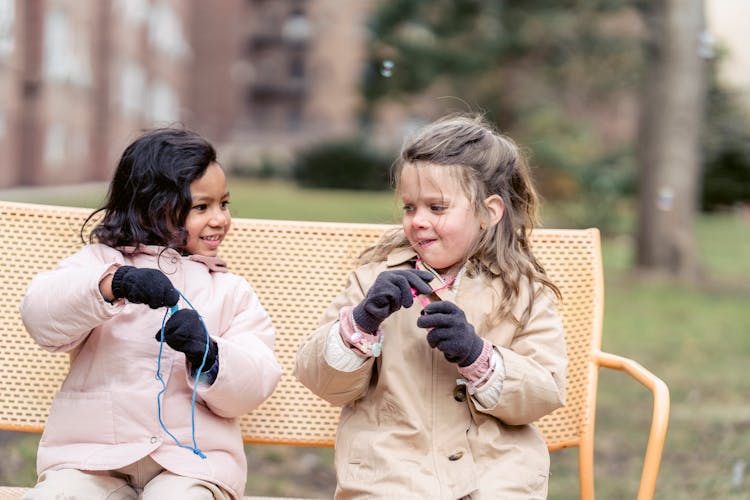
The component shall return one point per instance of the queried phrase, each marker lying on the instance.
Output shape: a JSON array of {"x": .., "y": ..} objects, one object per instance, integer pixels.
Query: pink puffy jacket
[{"x": 105, "y": 415}]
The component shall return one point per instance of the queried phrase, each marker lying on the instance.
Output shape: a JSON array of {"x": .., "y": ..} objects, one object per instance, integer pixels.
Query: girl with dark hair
[
  {"x": 148, "y": 295},
  {"x": 439, "y": 400}
]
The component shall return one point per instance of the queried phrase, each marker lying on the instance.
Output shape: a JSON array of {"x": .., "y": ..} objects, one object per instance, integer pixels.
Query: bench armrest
[{"x": 659, "y": 419}]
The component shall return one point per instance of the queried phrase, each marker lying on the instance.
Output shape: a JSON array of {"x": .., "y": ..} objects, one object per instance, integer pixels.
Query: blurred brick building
[{"x": 79, "y": 79}]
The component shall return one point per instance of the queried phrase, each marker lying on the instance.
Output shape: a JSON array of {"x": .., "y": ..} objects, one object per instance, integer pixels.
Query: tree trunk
[{"x": 669, "y": 151}]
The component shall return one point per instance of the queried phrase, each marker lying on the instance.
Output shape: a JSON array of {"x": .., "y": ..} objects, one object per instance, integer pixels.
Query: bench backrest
[{"x": 296, "y": 268}]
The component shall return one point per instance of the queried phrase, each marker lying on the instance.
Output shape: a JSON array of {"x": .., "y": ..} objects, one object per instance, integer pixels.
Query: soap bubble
[{"x": 386, "y": 69}]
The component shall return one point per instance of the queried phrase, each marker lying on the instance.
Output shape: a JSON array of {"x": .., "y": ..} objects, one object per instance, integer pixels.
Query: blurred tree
[
  {"x": 545, "y": 71},
  {"x": 493, "y": 51},
  {"x": 669, "y": 146}
]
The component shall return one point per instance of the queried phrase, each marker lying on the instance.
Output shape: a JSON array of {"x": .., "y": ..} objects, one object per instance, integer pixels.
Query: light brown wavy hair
[{"x": 485, "y": 163}]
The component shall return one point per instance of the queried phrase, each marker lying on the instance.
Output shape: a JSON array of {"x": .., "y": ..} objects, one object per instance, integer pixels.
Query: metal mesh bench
[{"x": 279, "y": 258}]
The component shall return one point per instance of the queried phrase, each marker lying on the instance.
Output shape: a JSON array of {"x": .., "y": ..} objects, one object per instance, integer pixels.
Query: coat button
[
  {"x": 456, "y": 456},
  {"x": 459, "y": 393},
  {"x": 154, "y": 439}
]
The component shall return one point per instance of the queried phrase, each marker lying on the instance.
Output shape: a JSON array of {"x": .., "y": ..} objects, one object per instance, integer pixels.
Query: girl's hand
[
  {"x": 451, "y": 333},
  {"x": 391, "y": 291},
  {"x": 144, "y": 286},
  {"x": 184, "y": 332}
]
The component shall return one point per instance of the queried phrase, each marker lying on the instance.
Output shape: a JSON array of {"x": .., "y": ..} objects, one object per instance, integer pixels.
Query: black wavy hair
[{"x": 149, "y": 196}]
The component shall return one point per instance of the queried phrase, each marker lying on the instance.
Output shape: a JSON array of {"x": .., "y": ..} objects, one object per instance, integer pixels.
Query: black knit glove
[
  {"x": 390, "y": 292},
  {"x": 184, "y": 332},
  {"x": 451, "y": 333},
  {"x": 144, "y": 286}
]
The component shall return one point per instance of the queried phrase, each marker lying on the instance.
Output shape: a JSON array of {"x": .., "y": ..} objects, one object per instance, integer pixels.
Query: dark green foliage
[
  {"x": 599, "y": 184},
  {"x": 344, "y": 164},
  {"x": 467, "y": 42},
  {"x": 529, "y": 66},
  {"x": 726, "y": 173},
  {"x": 425, "y": 40},
  {"x": 727, "y": 177}
]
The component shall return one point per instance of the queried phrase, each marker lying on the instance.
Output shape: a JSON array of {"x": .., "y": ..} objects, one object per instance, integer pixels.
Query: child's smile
[
  {"x": 213, "y": 241},
  {"x": 425, "y": 243}
]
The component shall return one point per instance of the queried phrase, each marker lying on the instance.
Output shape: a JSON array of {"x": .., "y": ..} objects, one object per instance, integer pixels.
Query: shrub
[
  {"x": 726, "y": 164},
  {"x": 726, "y": 180},
  {"x": 343, "y": 164}
]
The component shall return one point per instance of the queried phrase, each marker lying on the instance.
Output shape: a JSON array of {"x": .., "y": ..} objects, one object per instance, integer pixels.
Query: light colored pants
[{"x": 143, "y": 480}]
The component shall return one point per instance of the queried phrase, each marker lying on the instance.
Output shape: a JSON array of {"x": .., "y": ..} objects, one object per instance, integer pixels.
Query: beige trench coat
[{"x": 405, "y": 432}]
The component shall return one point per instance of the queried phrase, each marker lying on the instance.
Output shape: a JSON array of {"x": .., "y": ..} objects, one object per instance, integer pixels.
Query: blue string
[{"x": 167, "y": 313}]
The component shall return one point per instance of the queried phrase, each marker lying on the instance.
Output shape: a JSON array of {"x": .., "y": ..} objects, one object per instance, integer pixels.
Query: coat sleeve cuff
[{"x": 362, "y": 343}]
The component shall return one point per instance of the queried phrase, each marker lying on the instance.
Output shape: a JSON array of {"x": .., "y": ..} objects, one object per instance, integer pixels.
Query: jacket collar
[
  {"x": 400, "y": 256},
  {"x": 214, "y": 264}
]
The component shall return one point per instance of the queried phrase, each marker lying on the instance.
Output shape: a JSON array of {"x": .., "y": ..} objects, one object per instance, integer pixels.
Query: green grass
[
  {"x": 84, "y": 195},
  {"x": 725, "y": 246},
  {"x": 697, "y": 339},
  {"x": 261, "y": 199},
  {"x": 280, "y": 200},
  {"x": 698, "y": 343}
]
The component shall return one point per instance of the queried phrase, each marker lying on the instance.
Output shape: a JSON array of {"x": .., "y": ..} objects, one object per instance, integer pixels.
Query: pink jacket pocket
[{"x": 80, "y": 417}]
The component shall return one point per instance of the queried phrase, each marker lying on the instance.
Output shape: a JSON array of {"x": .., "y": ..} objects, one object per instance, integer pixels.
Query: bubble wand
[{"x": 424, "y": 299}]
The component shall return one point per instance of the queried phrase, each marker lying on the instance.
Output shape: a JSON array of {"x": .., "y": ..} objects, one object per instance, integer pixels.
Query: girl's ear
[{"x": 495, "y": 208}]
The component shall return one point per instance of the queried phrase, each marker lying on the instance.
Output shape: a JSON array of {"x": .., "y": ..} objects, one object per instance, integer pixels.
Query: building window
[
  {"x": 294, "y": 117},
  {"x": 132, "y": 89},
  {"x": 297, "y": 66},
  {"x": 296, "y": 29},
  {"x": 134, "y": 11},
  {"x": 7, "y": 22},
  {"x": 66, "y": 57},
  {"x": 165, "y": 31},
  {"x": 164, "y": 107},
  {"x": 54, "y": 146}
]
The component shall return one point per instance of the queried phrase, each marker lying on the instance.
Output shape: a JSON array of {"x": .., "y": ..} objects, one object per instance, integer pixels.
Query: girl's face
[
  {"x": 439, "y": 220},
  {"x": 208, "y": 220}
]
